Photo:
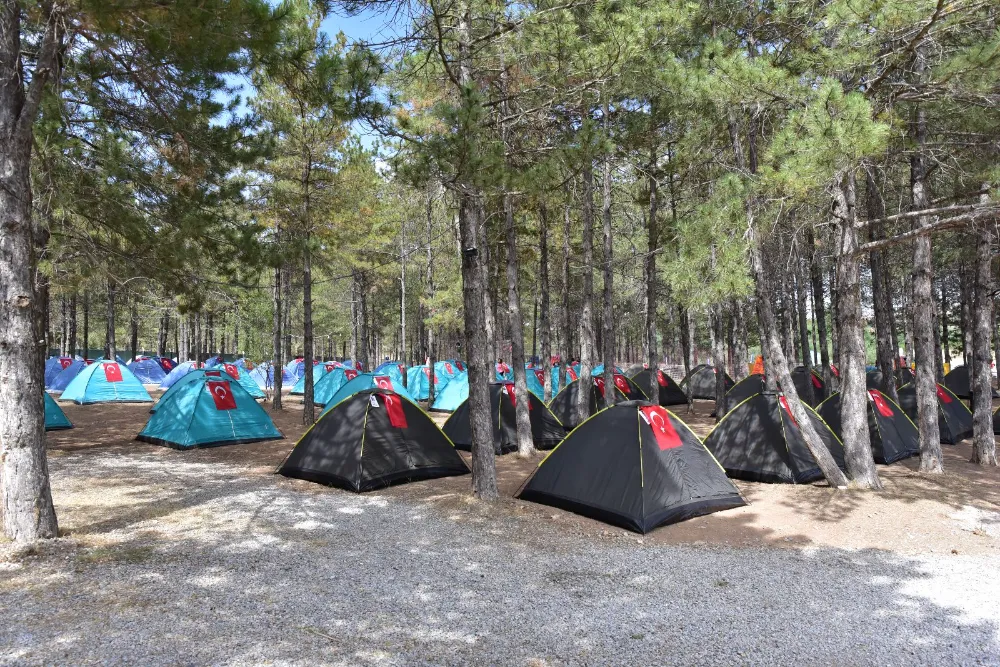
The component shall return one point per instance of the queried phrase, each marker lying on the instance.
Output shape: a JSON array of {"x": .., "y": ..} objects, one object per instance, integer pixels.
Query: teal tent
[
  {"x": 453, "y": 395},
  {"x": 242, "y": 375},
  {"x": 331, "y": 383},
  {"x": 55, "y": 418},
  {"x": 208, "y": 409},
  {"x": 105, "y": 382},
  {"x": 418, "y": 382},
  {"x": 570, "y": 375},
  {"x": 366, "y": 381},
  {"x": 536, "y": 382},
  {"x": 319, "y": 370}
]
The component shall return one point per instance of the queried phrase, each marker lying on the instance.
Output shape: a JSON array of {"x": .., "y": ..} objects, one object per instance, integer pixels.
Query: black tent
[
  {"x": 634, "y": 370},
  {"x": 801, "y": 377},
  {"x": 759, "y": 440},
  {"x": 893, "y": 435},
  {"x": 563, "y": 404},
  {"x": 546, "y": 431},
  {"x": 702, "y": 381},
  {"x": 670, "y": 393},
  {"x": 875, "y": 380},
  {"x": 746, "y": 388},
  {"x": 959, "y": 382},
  {"x": 903, "y": 376},
  {"x": 634, "y": 465},
  {"x": 373, "y": 439},
  {"x": 954, "y": 418},
  {"x": 996, "y": 422}
]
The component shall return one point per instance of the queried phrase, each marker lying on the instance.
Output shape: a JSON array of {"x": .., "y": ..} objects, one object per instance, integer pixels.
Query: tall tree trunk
[
  {"x": 236, "y": 328},
  {"x": 649, "y": 274},
  {"x": 364, "y": 335},
  {"x": 63, "y": 328},
  {"x": 935, "y": 330},
  {"x": 276, "y": 337},
  {"x": 134, "y": 326},
  {"x": 608, "y": 317},
  {"x": 525, "y": 444},
  {"x": 355, "y": 315},
  {"x": 819, "y": 305},
  {"x": 853, "y": 393},
  {"x": 545, "y": 327},
  {"x": 110, "y": 347},
  {"x": 984, "y": 449},
  {"x": 886, "y": 347},
  {"x": 965, "y": 291},
  {"x": 741, "y": 352},
  {"x": 210, "y": 347},
  {"x": 566, "y": 354},
  {"x": 85, "y": 338},
  {"x": 72, "y": 324},
  {"x": 718, "y": 352},
  {"x": 489, "y": 309},
  {"x": 945, "y": 344},
  {"x": 286, "y": 315},
  {"x": 587, "y": 307},
  {"x": 687, "y": 350},
  {"x": 922, "y": 305},
  {"x": 835, "y": 320},
  {"x": 161, "y": 338},
  {"x": 308, "y": 409},
  {"x": 800, "y": 298}
]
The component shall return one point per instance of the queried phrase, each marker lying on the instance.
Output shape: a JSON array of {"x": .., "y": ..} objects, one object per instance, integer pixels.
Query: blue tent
[
  {"x": 535, "y": 384},
  {"x": 192, "y": 375},
  {"x": 166, "y": 363},
  {"x": 207, "y": 411},
  {"x": 599, "y": 370},
  {"x": 362, "y": 382},
  {"x": 319, "y": 370},
  {"x": 212, "y": 362},
  {"x": 387, "y": 364},
  {"x": 296, "y": 367},
  {"x": 148, "y": 370},
  {"x": 453, "y": 395},
  {"x": 118, "y": 358},
  {"x": 242, "y": 375},
  {"x": 62, "y": 380},
  {"x": 54, "y": 366},
  {"x": 418, "y": 382},
  {"x": 263, "y": 375},
  {"x": 240, "y": 363},
  {"x": 179, "y": 371},
  {"x": 331, "y": 383},
  {"x": 105, "y": 382},
  {"x": 55, "y": 418}
]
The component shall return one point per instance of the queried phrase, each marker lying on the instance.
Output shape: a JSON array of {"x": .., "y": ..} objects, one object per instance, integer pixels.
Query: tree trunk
[
  {"x": 72, "y": 324},
  {"x": 276, "y": 339},
  {"x": 943, "y": 317},
  {"x": 935, "y": 330},
  {"x": 966, "y": 289},
  {"x": 308, "y": 409},
  {"x": 236, "y": 328},
  {"x": 608, "y": 316},
  {"x": 355, "y": 315},
  {"x": 63, "y": 328},
  {"x": 489, "y": 310},
  {"x": 687, "y": 336},
  {"x": 567, "y": 322},
  {"x": 134, "y": 327},
  {"x": 110, "y": 347},
  {"x": 85, "y": 339},
  {"x": 819, "y": 304},
  {"x": 364, "y": 336},
  {"x": 718, "y": 352},
  {"x": 545, "y": 327},
  {"x": 984, "y": 449},
  {"x": 587, "y": 307},
  {"x": 649, "y": 274},
  {"x": 834, "y": 320},
  {"x": 886, "y": 347},
  {"x": 800, "y": 299},
  {"x": 922, "y": 305},
  {"x": 853, "y": 392},
  {"x": 525, "y": 444}
]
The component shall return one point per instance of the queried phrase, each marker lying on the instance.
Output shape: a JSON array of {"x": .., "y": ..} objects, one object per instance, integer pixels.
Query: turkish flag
[
  {"x": 394, "y": 406},
  {"x": 460, "y": 366},
  {"x": 168, "y": 363},
  {"x": 599, "y": 383},
  {"x": 213, "y": 374},
  {"x": 541, "y": 376},
  {"x": 571, "y": 373},
  {"x": 816, "y": 382},
  {"x": 880, "y": 403},
  {"x": 622, "y": 384},
  {"x": 65, "y": 361},
  {"x": 350, "y": 373},
  {"x": 402, "y": 368},
  {"x": 383, "y": 382},
  {"x": 664, "y": 431},
  {"x": 329, "y": 367},
  {"x": 784, "y": 404},
  {"x": 233, "y": 371},
  {"x": 833, "y": 369},
  {"x": 448, "y": 368},
  {"x": 222, "y": 394},
  {"x": 509, "y": 390},
  {"x": 943, "y": 396},
  {"x": 112, "y": 373}
]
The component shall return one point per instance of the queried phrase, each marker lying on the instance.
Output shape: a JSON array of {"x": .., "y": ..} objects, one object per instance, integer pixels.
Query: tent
[
  {"x": 55, "y": 418},
  {"x": 193, "y": 375},
  {"x": 166, "y": 363},
  {"x": 634, "y": 370},
  {"x": 418, "y": 381},
  {"x": 904, "y": 376},
  {"x": 373, "y": 439},
  {"x": 893, "y": 435},
  {"x": 453, "y": 395},
  {"x": 66, "y": 375},
  {"x": 874, "y": 379},
  {"x": 207, "y": 409},
  {"x": 996, "y": 422},
  {"x": 535, "y": 379},
  {"x": 319, "y": 370},
  {"x": 212, "y": 362},
  {"x": 331, "y": 383},
  {"x": 954, "y": 417},
  {"x": 751, "y": 385},
  {"x": 546, "y": 431},
  {"x": 959, "y": 382},
  {"x": 54, "y": 366},
  {"x": 242, "y": 375},
  {"x": 148, "y": 370},
  {"x": 670, "y": 392},
  {"x": 570, "y": 374},
  {"x": 760, "y": 441},
  {"x": 393, "y": 369},
  {"x": 702, "y": 381},
  {"x": 105, "y": 382},
  {"x": 800, "y": 376},
  {"x": 366, "y": 381},
  {"x": 180, "y": 370},
  {"x": 263, "y": 375},
  {"x": 563, "y": 404},
  {"x": 634, "y": 465}
]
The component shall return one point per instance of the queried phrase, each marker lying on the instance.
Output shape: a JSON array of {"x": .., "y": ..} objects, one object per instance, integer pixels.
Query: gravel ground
[{"x": 175, "y": 562}]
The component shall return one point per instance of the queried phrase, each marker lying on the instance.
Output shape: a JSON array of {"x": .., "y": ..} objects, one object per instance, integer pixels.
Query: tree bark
[
  {"x": 649, "y": 274},
  {"x": 565, "y": 355},
  {"x": 308, "y": 408},
  {"x": 110, "y": 347},
  {"x": 819, "y": 304},
  {"x": 984, "y": 449},
  {"x": 718, "y": 351},
  {"x": 943, "y": 317},
  {"x": 276, "y": 338},
  {"x": 544, "y": 324},
  {"x": 608, "y": 317},
  {"x": 72, "y": 324},
  {"x": 85, "y": 339},
  {"x": 853, "y": 391},
  {"x": 134, "y": 326},
  {"x": 525, "y": 444},
  {"x": 886, "y": 347},
  {"x": 800, "y": 299},
  {"x": 587, "y": 307}
]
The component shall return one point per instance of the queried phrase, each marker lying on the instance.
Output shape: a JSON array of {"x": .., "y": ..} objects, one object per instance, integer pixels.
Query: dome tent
[
  {"x": 800, "y": 378},
  {"x": 453, "y": 395},
  {"x": 893, "y": 436},
  {"x": 634, "y": 465},
  {"x": 418, "y": 381},
  {"x": 546, "y": 431},
  {"x": 669, "y": 391},
  {"x": 55, "y": 418},
  {"x": 54, "y": 366},
  {"x": 242, "y": 375},
  {"x": 370, "y": 440},
  {"x": 760, "y": 441},
  {"x": 105, "y": 382},
  {"x": 563, "y": 404},
  {"x": 751, "y": 385},
  {"x": 263, "y": 375},
  {"x": 959, "y": 382},
  {"x": 66, "y": 375},
  {"x": 330, "y": 384},
  {"x": 954, "y": 418},
  {"x": 319, "y": 370},
  {"x": 180, "y": 370},
  {"x": 147, "y": 370},
  {"x": 393, "y": 369},
  {"x": 366, "y": 381},
  {"x": 207, "y": 409},
  {"x": 702, "y": 381},
  {"x": 635, "y": 369}
]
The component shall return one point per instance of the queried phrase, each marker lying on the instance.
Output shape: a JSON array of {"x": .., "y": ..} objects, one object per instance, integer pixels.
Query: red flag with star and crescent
[
  {"x": 540, "y": 374},
  {"x": 664, "y": 431},
  {"x": 233, "y": 370},
  {"x": 880, "y": 403},
  {"x": 112, "y": 373},
  {"x": 599, "y": 383},
  {"x": 621, "y": 383},
  {"x": 350, "y": 373},
  {"x": 571, "y": 373},
  {"x": 222, "y": 394},
  {"x": 65, "y": 361},
  {"x": 383, "y": 382},
  {"x": 394, "y": 407},
  {"x": 784, "y": 404},
  {"x": 944, "y": 396},
  {"x": 661, "y": 378}
]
